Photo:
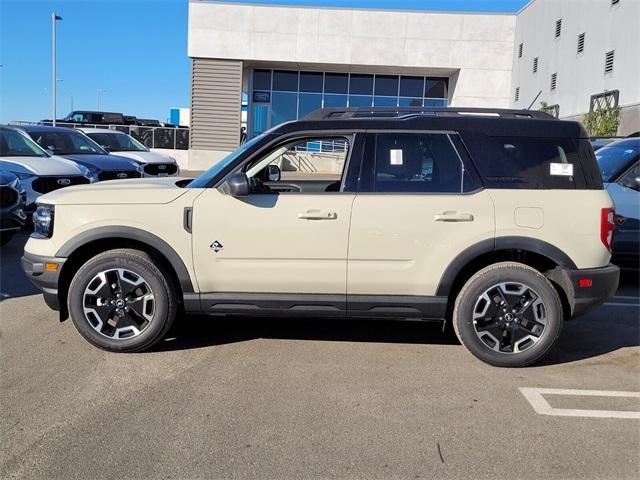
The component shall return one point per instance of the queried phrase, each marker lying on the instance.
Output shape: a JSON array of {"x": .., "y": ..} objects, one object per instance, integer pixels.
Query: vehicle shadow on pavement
[
  {"x": 13, "y": 281},
  {"x": 199, "y": 331}
]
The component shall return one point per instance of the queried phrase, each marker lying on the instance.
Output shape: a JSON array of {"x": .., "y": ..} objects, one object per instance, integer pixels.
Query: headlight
[
  {"x": 43, "y": 221},
  {"x": 140, "y": 169},
  {"x": 89, "y": 173},
  {"x": 23, "y": 176}
]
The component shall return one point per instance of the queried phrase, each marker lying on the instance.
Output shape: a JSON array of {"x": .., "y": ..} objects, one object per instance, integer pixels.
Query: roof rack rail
[{"x": 405, "y": 112}]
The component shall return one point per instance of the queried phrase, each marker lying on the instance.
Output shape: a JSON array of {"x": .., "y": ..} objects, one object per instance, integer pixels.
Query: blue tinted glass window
[
  {"x": 285, "y": 80},
  {"x": 283, "y": 107},
  {"x": 435, "y": 102},
  {"x": 387, "y": 85},
  {"x": 260, "y": 119},
  {"x": 361, "y": 84},
  {"x": 262, "y": 79},
  {"x": 360, "y": 100},
  {"x": 385, "y": 101},
  {"x": 411, "y": 86},
  {"x": 436, "y": 87},
  {"x": 410, "y": 102},
  {"x": 311, "y": 82},
  {"x": 308, "y": 103},
  {"x": 336, "y": 83},
  {"x": 335, "y": 101}
]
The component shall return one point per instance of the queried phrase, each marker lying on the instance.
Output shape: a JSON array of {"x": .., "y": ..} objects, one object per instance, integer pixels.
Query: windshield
[
  {"x": 205, "y": 178},
  {"x": 15, "y": 144},
  {"x": 67, "y": 143},
  {"x": 613, "y": 159},
  {"x": 118, "y": 142}
]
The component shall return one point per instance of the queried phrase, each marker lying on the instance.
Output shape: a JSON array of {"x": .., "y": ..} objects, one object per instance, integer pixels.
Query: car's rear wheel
[
  {"x": 121, "y": 301},
  {"x": 508, "y": 315}
]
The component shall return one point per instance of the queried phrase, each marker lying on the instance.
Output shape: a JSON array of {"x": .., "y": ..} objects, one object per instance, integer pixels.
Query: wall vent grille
[
  {"x": 554, "y": 81},
  {"x": 608, "y": 62},
  {"x": 520, "y": 49},
  {"x": 535, "y": 65},
  {"x": 581, "y": 43},
  {"x": 558, "y": 27},
  {"x": 517, "y": 96}
]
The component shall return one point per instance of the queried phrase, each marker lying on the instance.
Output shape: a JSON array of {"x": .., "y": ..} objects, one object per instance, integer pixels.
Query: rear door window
[
  {"x": 526, "y": 163},
  {"x": 411, "y": 163}
]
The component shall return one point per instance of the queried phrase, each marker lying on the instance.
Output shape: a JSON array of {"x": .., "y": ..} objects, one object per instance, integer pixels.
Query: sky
[{"x": 134, "y": 51}]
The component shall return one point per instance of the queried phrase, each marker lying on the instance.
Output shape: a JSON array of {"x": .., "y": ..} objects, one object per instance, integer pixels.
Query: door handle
[
  {"x": 318, "y": 215},
  {"x": 451, "y": 216}
]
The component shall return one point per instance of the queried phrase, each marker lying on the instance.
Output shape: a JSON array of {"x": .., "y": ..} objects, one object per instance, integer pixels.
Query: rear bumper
[
  {"x": 587, "y": 288},
  {"x": 43, "y": 278}
]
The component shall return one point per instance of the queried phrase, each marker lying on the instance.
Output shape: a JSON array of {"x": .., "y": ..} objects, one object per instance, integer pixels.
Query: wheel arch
[
  {"x": 536, "y": 253},
  {"x": 92, "y": 242}
]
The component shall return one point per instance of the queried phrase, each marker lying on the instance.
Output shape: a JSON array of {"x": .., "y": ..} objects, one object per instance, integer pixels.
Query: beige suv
[{"x": 493, "y": 220}]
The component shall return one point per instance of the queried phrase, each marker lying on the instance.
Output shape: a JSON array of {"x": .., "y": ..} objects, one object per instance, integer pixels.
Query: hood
[
  {"x": 104, "y": 162},
  {"x": 6, "y": 177},
  {"x": 147, "y": 157},
  {"x": 41, "y": 166},
  {"x": 116, "y": 192}
]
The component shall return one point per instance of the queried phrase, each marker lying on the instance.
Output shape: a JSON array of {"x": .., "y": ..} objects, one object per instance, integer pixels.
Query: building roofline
[
  {"x": 528, "y": 4},
  {"x": 365, "y": 9}
]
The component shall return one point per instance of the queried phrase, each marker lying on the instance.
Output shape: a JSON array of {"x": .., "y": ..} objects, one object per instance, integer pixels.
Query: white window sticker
[
  {"x": 562, "y": 169},
  {"x": 395, "y": 157}
]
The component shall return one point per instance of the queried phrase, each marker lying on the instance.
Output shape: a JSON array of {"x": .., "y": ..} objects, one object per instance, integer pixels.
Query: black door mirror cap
[{"x": 237, "y": 185}]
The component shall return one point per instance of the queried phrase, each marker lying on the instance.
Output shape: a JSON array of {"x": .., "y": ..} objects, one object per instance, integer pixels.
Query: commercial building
[{"x": 288, "y": 61}]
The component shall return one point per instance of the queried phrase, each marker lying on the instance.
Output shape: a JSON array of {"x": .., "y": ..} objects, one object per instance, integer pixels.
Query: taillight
[{"x": 607, "y": 227}]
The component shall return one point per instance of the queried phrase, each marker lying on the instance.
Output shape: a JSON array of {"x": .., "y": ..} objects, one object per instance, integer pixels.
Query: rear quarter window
[{"x": 526, "y": 162}]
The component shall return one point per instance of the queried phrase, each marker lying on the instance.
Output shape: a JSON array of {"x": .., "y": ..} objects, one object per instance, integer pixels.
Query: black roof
[
  {"x": 45, "y": 128},
  {"x": 492, "y": 122}
]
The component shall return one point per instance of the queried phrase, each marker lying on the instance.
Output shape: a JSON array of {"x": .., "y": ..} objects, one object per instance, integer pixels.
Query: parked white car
[
  {"x": 38, "y": 171},
  {"x": 155, "y": 164}
]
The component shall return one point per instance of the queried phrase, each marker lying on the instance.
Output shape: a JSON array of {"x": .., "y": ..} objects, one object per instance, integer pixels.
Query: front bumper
[
  {"x": 586, "y": 288},
  {"x": 40, "y": 272},
  {"x": 13, "y": 218}
]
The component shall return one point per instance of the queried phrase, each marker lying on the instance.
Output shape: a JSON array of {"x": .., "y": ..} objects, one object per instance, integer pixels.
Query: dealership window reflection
[{"x": 279, "y": 96}]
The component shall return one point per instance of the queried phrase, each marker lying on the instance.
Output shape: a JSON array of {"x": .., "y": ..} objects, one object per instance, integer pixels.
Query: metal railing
[{"x": 172, "y": 138}]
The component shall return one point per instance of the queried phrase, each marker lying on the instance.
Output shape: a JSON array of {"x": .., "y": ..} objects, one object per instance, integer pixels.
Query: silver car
[
  {"x": 155, "y": 164},
  {"x": 39, "y": 172}
]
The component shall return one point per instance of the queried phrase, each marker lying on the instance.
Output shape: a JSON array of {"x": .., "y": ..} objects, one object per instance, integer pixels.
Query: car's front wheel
[
  {"x": 508, "y": 315},
  {"x": 121, "y": 301}
]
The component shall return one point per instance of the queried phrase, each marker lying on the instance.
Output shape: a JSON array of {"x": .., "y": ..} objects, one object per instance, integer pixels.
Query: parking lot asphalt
[{"x": 271, "y": 398}]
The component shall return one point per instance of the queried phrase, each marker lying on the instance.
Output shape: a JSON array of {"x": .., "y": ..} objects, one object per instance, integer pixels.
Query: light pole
[
  {"x": 54, "y": 18},
  {"x": 98, "y": 92}
]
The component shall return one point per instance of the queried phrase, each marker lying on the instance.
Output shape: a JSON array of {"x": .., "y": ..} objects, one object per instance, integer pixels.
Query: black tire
[
  {"x": 471, "y": 301},
  {"x": 5, "y": 238},
  {"x": 163, "y": 295}
]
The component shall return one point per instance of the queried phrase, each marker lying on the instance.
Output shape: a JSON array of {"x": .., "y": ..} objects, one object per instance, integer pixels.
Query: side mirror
[
  {"x": 49, "y": 151},
  {"x": 273, "y": 173},
  {"x": 237, "y": 185},
  {"x": 108, "y": 149}
]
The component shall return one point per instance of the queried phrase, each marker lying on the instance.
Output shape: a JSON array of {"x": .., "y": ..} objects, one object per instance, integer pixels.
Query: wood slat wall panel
[{"x": 216, "y": 92}]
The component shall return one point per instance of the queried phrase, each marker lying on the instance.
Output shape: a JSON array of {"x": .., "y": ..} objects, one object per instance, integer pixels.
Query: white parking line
[
  {"x": 626, "y": 297},
  {"x": 621, "y": 304},
  {"x": 535, "y": 397}
]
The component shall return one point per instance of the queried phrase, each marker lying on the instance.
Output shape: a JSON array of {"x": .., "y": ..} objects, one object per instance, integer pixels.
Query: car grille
[
  {"x": 8, "y": 196},
  {"x": 116, "y": 175},
  {"x": 160, "y": 169},
  {"x": 49, "y": 184}
]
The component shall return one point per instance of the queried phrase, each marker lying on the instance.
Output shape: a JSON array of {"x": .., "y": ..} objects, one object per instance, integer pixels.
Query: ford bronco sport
[{"x": 494, "y": 220}]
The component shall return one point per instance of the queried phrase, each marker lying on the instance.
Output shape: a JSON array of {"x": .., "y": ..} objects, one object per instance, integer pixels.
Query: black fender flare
[
  {"x": 131, "y": 233},
  {"x": 495, "y": 244}
]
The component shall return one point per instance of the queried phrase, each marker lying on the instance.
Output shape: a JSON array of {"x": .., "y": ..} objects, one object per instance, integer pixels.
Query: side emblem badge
[{"x": 216, "y": 246}]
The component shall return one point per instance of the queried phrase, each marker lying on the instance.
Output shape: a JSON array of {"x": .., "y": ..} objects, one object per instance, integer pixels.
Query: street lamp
[
  {"x": 98, "y": 92},
  {"x": 54, "y": 18}
]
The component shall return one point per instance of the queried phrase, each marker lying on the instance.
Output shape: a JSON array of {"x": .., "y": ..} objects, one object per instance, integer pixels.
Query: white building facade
[
  {"x": 570, "y": 50},
  {"x": 289, "y": 61}
]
